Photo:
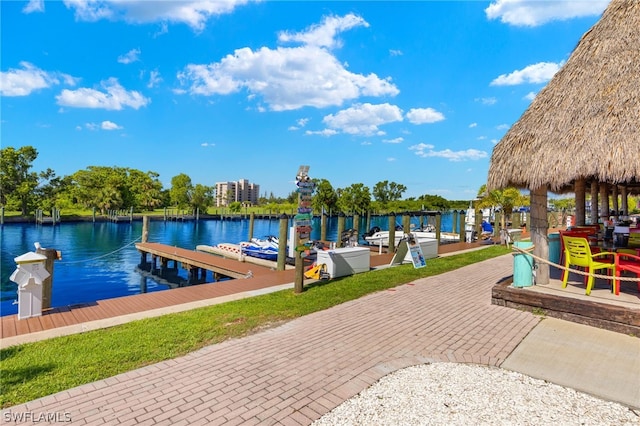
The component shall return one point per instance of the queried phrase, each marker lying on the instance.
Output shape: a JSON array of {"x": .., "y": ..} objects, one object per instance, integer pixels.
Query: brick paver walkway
[{"x": 299, "y": 371}]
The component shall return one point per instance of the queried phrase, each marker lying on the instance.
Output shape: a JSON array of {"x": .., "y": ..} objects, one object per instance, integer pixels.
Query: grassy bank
[{"x": 38, "y": 369}]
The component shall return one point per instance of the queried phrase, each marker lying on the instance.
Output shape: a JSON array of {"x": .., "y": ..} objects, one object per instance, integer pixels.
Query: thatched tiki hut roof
[{"x": 585, "y": 124}]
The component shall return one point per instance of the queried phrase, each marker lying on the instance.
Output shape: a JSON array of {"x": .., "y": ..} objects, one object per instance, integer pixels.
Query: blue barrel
[
  {"x": 522, "y": 265},
  {"x": 554, "y": 247}
]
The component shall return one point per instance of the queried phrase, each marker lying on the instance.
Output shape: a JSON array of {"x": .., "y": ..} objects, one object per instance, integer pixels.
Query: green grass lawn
[{"x": 38, "y": 369}]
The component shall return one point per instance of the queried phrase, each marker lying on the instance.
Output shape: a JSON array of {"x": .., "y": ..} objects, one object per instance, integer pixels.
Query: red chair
[{"x": 626, "y": 262}]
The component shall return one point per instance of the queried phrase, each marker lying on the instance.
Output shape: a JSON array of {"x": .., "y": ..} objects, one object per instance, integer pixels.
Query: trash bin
[
  {"x": 522, "y": 265},
  {"x": 554, "y": 248}
]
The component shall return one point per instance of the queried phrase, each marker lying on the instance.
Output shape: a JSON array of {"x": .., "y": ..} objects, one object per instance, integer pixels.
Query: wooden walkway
[
  {"x": 192, "y": 259},
  {"x": 111, "y": 308}
]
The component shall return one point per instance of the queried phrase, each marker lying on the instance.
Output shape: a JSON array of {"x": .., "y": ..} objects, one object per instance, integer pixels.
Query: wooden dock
[
  {"x": 196, "y": 263},
  {"x": 77, "y": 317}
]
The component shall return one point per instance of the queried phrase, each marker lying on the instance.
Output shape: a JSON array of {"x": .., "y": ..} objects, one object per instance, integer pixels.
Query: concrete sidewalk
[{"x": 295, "y": 373}]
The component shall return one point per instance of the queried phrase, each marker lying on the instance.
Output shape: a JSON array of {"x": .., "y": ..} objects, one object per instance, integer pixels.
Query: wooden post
[
  {"x": 579, "y": 189},
  {"x": 165, "y": 214},
  {"x": 368, "y": 225},
  {"x": 406, "y": 223},
  {"x": 478, "y": 220},
  {"x": 47, "y": 284},
  {"x": 341, "y": 220},
  {"x": 282, "y": 242},
  {"x": 131, "y": 214},
  {"x": 252, "y": 217},
  {"x": 461, "y": 225},
  {"x": 2, "y": 215},
  {"x": 438, "y": 226},
  {"x": 392, "y": 233},
  {"x": 323, "y": 226},
  {"x": 625, "y": 201},
  {"x": 356, "y": 223},
  {"x": 145, "y": 228},
  {"x": 298, "y": 285},
  {"x": 539, "y": 232},
  {"x": 454, "y": 222},
  {"x": 604, "y": 201},
  {"x": 614, "y": 200},
  {"x": 594, "y": 202}
]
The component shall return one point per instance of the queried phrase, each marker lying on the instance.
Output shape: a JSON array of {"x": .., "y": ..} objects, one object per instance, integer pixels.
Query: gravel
[{"x": 465, "y": 394}]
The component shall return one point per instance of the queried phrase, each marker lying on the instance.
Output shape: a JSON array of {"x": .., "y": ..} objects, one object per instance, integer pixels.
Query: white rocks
[{"x": 462, "y": 394}]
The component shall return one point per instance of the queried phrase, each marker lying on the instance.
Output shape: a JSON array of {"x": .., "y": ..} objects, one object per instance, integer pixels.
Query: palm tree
[{"x": 506, "y": 199}]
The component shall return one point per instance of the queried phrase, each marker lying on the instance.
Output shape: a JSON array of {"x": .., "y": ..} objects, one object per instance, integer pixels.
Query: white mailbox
[{"x": 29, "y": 276}]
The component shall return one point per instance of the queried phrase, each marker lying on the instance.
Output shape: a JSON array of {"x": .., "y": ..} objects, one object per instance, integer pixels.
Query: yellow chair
[
  {"x": 577, "y": 252},
  {"x": 634, "y": 239}
]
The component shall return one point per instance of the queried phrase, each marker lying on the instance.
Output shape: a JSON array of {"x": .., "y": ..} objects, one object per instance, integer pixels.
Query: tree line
[{"x": 115, "y": 188}]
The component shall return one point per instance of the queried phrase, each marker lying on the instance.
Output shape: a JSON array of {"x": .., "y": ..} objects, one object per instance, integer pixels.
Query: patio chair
[
  {"x": 625, "y": 262},
  {"x": 577, "y": 233},
  {"x": 577, "y": 252}
]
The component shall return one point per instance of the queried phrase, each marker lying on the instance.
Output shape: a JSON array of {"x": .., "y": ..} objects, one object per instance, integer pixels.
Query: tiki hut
[{"x": 582, "y": 130}]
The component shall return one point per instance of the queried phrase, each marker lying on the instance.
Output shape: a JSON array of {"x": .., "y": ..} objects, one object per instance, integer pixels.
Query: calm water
[{"x": 99, "y": 260}]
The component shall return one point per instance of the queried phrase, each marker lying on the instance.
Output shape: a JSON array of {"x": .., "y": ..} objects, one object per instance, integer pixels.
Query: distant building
[{"x": 241, "y": 190}]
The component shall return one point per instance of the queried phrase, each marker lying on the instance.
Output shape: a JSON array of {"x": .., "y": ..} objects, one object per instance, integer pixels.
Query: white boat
[{"x": 377, "y": 237}]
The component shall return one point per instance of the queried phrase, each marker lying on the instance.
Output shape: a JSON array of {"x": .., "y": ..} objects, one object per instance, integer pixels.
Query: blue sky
[{"x": 414, "y": 92}]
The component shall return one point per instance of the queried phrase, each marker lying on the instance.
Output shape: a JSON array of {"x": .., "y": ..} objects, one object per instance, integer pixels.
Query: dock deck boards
[
  {"x": 111, "y": 308},
  {"x": 227, "y": 267}
]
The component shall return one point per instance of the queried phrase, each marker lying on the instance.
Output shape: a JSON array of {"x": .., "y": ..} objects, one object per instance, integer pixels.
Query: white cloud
[
  {"x": 391, "y": 159},
  {"x": 207, "y": 144},
  {"x": 154, "y": 79},
  {"x": 366, "y": 143},
  {"x": 21, "y": 82},
  {"x": 114, "y": 97},
  {"x": 396, "y": 140},
  {"x": 502, "y": 127},
  {"x": 91, "y": 126},
  {"x": 363, "y": 119},
  {"x": 472, "y": 125},
  {"x": 529, "y": 13},
  {"x": 288, "y": 78},
  {"x": 325, "y": 132},
  {"x": 324, "y": 34},
  {"x": 487, "y": 101},
  {"x": 109, "y": 125},
  {"x": 425, "y": 150},
  {"x": 530, "y": 96},
  {"x": 394, "y": 52},
  {"x": 129, "y": 57},
  {"x": 301, "y": 122},
  {"x": 535, "y": 74},
  {"x": 34, "y": 6},
  {"x": 424, "y": 115},
  {"x": 194, "y": 13}
]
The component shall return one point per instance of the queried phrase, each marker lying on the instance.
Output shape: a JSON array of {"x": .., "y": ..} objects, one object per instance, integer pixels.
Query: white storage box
[
  {"x": 429, "y": 249},
  {"x": 345, "y": 261}
]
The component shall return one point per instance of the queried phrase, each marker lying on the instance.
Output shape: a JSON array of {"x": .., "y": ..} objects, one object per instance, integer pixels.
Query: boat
[
  {"x": 377, "y": 237},
  {"x": 268, "y": 241},
  {"x": 267, "y": 253}
]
